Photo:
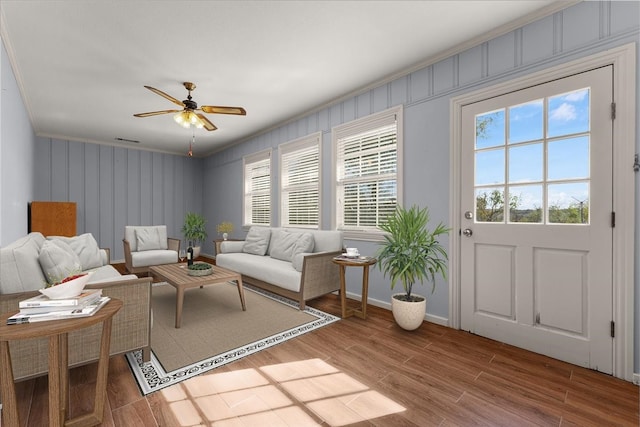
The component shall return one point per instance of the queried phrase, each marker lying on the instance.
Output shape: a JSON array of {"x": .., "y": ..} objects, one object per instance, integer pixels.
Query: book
[
  {"x": 73, "y": 313},
  {"x": 47, "y": 309},
  {"x": 87, "y": 296}
]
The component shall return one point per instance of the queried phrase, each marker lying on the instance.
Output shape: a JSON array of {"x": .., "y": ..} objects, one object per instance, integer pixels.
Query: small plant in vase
[{"x": 224, "y": 228}]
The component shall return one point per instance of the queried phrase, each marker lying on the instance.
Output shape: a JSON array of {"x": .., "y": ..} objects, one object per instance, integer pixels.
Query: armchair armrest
[
  {"x": 105, "y": 254},
  {"x": 320, "y": 275},
  {"x": 128, "y": 262},
  {"x": 173, "y": 244},
  {"x": 231, "y": 246}
]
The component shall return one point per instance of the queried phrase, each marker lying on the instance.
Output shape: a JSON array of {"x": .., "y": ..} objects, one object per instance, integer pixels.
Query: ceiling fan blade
[
  {"x": 207, "y": 124},
  {"x": 164, "y": 95},
  {"x": 213, "y": 109},
  {"x": 155, "y": 113}
]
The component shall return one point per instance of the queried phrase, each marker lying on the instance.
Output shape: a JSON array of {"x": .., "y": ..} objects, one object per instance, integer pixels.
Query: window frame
[
  {"x": 247, "y": 194},
  {"x": 299, "y": 146},
  {"x": 351, "y": 129}
]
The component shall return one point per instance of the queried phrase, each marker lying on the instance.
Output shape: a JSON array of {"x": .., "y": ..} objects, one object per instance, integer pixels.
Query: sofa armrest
[
  {"x": 320, "y": 275},
  {"x": 173, "y": 244},
  {"x": 231, "y": 246}
]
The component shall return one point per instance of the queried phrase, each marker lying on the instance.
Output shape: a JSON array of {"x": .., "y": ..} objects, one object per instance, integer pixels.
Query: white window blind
[
  {"x": 366, "y": 165},
  {"x": 257, "y": 189},
  {"x": 300, "y": 182}
]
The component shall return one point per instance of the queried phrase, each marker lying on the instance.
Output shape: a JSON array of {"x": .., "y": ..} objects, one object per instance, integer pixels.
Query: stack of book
[{"x": 41, "y": 308}]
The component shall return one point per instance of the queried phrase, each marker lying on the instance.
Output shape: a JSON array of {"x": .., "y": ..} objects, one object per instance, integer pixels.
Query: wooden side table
[
  {"x": 363, "y": 262},
  {"x": 57, "y": 331}
]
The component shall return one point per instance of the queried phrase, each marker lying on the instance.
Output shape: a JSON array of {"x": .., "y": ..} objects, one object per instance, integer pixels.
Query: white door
[{"x": 536, "y": 245}]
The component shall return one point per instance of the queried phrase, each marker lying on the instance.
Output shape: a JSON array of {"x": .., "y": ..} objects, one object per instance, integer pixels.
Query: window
[
  {"x": 367, "y": 183},
  {"x": 300, "y": 182},
  {"x": 257, "y": 189}
]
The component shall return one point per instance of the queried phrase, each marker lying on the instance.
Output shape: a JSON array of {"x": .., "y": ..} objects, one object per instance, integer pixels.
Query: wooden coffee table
[{"x": 176, "y": 275}]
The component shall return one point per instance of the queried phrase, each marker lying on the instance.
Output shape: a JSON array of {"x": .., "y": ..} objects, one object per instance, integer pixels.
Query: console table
[{"x": 57, "y": 331}]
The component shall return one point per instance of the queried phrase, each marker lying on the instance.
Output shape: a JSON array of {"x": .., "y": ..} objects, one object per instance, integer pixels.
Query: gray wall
[
  {"x": 115, "y": 186},
  {"x": 17, "y": 146},
  {"x": 579, "y": 31}
]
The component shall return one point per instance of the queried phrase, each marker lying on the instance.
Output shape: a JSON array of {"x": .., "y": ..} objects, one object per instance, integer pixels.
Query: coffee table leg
[
  {"x": 179, "y": 301},
  {"x": 241, "y": 292}
]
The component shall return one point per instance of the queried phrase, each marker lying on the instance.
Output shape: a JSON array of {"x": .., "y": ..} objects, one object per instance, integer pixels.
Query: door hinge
[
  {"x": 613, "y": 329},
  {"x": 613, "y": 111},
  {"x": 613, "y": 219}
]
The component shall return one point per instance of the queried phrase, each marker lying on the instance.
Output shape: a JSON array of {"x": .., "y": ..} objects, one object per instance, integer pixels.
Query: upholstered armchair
[{"x": 145, "y": 246}]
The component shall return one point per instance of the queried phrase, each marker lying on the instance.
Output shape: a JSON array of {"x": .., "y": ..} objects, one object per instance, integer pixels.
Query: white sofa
[
  {"x": 294, "y": 263},
  {"x": 25, "y": 266},
  {"x": 148, "y": 245}
]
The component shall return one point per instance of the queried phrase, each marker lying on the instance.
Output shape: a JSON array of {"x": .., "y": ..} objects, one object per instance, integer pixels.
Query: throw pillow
[
  {"x": 286, "y": 245},
  {"x": 86, "y": 247},
  {"x": 257, "y": 241},
  {"x": 58, "y": 260},
  {"x": 148, "y": 239}
]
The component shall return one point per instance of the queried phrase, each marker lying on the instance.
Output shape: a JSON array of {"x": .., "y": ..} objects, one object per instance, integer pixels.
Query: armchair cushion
[
  {"x": 58, "y": 260},
  {"x": 130, "y": 232},
  {"x": 86, "y": 247},
  {"x": 148, "y": 239}
]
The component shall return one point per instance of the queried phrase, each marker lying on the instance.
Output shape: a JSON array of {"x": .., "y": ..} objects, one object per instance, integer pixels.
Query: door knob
[{"x": 467, "y": 232}]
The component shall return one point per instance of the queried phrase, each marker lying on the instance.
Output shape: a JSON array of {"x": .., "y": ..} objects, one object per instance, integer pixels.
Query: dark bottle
[{"x": 189, "y": 255}]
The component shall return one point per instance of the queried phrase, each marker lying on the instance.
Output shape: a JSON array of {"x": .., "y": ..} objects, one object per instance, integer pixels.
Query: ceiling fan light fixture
[{"x": 187, "y": 119}]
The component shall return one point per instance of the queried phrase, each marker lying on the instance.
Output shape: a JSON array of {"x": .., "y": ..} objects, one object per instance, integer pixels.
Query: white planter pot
[
  {"x": 408, "y": 315},
  {"x": 196, "y": 252}
]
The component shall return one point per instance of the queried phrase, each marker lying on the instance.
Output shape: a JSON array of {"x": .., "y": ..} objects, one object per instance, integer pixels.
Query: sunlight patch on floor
[{"x": 284, "y": 394}]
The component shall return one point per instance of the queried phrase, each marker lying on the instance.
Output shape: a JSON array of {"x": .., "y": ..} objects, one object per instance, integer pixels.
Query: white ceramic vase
[
  {"x": 408, "y": 315},
  {"x": 225, "y": 236}
]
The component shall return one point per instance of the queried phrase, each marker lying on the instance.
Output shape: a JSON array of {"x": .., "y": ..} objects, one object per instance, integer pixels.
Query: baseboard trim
[{"x": 442, "y": 321}]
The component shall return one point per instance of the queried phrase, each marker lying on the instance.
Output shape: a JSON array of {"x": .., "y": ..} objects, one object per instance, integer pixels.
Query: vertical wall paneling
[
  {"x": 146, "y": 194},
  {"x": 59, "y": 155},
  {"x": 134, "y": 181},
  {"x": 106, "y": 191},
  {"x": 42, "y": 172},
  {"x": 91, "y": 190},
  {"x": 577, "y": 31},
  {"x": 76, "y": 182},
  {"x": 120, "y": 198}
]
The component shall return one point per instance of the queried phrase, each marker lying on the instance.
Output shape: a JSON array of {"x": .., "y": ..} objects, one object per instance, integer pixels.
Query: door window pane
[
  {"x": 490, "y": 167},
  {"x": 568, "y": 203},
  {"x": 526, "y": 163},
  {"x": 490, "y": 129},
  {"x": 490, "y": 204},
  {"x": 525, "y": 203},
  {"x": 568, "y": 158},
  {"x": 526, "y": 122},
  {"x": 568, "y": 113}
]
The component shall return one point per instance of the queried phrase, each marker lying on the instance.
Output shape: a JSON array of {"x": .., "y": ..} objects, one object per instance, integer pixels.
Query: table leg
[
  {"x": 343, "y": 291},
  {"x": 56, "y": 382},
  {"x": 241, "y": 292},
  {"x": 7, "y": 388},
  {"x": 365, "y": 290},
  {"x": 179, "y": 302}
]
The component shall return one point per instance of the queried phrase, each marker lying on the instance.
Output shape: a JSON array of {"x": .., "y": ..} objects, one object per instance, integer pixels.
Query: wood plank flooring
[{"x": 443, "y": 377}]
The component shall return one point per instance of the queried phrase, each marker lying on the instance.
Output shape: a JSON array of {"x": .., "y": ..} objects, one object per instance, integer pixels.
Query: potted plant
[
  {"x": 411, "y": 253},
  {"x": 194, "y": 231}
]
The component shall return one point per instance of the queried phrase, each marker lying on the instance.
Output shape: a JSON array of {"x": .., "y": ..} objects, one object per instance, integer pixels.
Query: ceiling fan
[{"x": 189, "y": 116}]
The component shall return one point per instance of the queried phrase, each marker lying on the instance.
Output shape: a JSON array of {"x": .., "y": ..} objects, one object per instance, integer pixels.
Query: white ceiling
[{"x": 81, "y": 65}]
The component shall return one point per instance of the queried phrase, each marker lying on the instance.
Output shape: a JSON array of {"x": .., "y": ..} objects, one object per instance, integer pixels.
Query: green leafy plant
[
  {"x": 194, "y": 229},
  {"x": 411, "y": 252},
  {"x": 200, "y": 266}
]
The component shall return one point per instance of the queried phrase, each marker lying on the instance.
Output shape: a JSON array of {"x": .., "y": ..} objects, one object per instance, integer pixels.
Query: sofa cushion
[
  {"x": 268, "y": 269},
  {"x": 148, "y": 239},
  {"x": 285, "y": 244},
  {"x": 58, "y": 261},
  {"x": 19, "y": 266},
  {"x": 130, "y": 235},
  {"x": 257, "y": 241},
  {"x": 86, "y": 247}
]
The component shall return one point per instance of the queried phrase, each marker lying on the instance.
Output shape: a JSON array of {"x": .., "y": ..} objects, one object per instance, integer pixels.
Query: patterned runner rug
[{"x": 215, "y": 331}]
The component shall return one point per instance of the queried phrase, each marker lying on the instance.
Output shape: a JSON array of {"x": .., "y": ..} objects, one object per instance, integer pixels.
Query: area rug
[{"x": 215, "y": 331}]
